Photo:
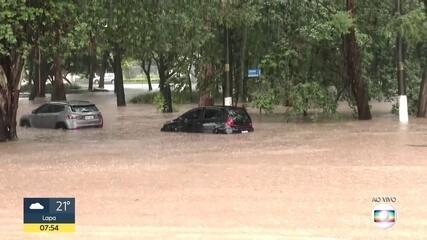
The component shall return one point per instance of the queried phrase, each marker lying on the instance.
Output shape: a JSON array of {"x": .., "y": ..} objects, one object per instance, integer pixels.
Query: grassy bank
[
  {"x": 141, "y": 79},
  {"x": 177, "y": 98}
]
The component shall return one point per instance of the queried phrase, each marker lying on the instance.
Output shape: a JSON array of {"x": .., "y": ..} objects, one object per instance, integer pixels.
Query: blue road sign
[{"x": 254, "y": 72}]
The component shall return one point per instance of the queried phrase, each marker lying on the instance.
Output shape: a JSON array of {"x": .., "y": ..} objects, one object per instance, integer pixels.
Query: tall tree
[
  {"x": 177, "y": 29},
  {"x": 58, "y": 93},
  {"x": 422, "y": 99},
  {"x": 352, "y": 55},
  {"x": 16, "y": 19},
  {"x": 63, "y": 17},
  {"x": 92, "y": 15},
  {"x": 104, "y": 65},
  {"x": 40, "y": 70},
  {"x": 59, "y": 36},
  {"x": 121, "y": 21},
  {"x": 146, "y": 68},
  {"x": 92, "y": 61}
]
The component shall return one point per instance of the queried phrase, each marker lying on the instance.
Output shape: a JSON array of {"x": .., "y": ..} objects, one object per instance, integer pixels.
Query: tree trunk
[
  {"x": 42, "y": 78},
  {"x": 204, "y": 78},
  {"x": 167, "y": 94},
  {"x": 35, "y": 76},
  {"x": 32, "y": 71},
  {"x": 4, "y": 97},
  {"x": 353, "y": 70},
  {"x": 92, "y": 62},
  {"x": 422, "y": 100},
  {"x": 41, "y": 68},
  {"x": 118, "y": 78},
  {"x": 226, "y": 89},
  {"x": 239, "y": 85},
  {"x": 146, "y": 67},
  {"x": 114, "y": 70},
  {"x": 58, "y": 93},
  {"x": 11, "y": 68},
  {"x": 190, "y": 86},
  {"x": 399, "y": 57},
  {"x": 232, "y": 71},
  {"x": 165, "y": 89},
  {"x": 104, "y": 64},
  {"x": 150, "y": 87},
  {"x": 245, "y": 83},
  {"x": 3, "y": 130}
]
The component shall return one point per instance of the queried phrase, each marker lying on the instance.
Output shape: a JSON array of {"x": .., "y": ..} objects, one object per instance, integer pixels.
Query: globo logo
[{"x": 384, "y": 216}]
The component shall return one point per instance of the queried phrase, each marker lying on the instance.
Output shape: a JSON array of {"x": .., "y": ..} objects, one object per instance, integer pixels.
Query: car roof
[
  {"x": 223, "y": 107},
  {"x": 58, "y": 103},
  {"x": 218, "y": 107},
  {"x": 80, "y": 103},
  {"x": 73, "y": 103}
]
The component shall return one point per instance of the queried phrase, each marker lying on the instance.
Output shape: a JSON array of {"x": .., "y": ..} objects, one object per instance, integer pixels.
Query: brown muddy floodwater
[{"x": 284, "y": 181}]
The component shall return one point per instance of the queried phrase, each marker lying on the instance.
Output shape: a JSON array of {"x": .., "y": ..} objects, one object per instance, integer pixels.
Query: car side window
[
  {"x": 193, "y": 114},
  {"x": 56, "y": 108},
  {"x": 43, "y": 109},
  {"x": 212, "y": 114}
]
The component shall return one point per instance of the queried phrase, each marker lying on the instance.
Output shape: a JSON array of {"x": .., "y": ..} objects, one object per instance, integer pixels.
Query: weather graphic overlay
[{"x": 49, "y": 215}]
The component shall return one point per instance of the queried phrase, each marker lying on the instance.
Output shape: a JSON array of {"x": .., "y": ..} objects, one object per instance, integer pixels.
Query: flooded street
[{"x": 284, "y": 181}]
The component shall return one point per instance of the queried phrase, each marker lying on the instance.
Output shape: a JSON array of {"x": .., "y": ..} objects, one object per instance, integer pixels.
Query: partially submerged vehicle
[
  {"x": 212, "y": 119},
  {"x": 64, "y": 115}
]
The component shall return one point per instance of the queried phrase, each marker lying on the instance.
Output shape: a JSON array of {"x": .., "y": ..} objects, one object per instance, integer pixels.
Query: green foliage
[
  {"x": 150, "y": 98},
  {"x": 307, "y": 96},
  {"x": 17, "y": 21},
  {"x": 298, "y": 44},
  {"x": 413, "y": 82},
  {"x": 329, "y": 28},
  {"x": 264, "y": 101},
  {"x": 159, "y": 102},
  {"x": 412, "y": 26},
  {"x": 144, "y": 98},
  {"x": 341, "y": 22},
  {"x": 182, "y": 97},
  {"x": 264, "y": 98},
  {"x": 238, "y": 13}
]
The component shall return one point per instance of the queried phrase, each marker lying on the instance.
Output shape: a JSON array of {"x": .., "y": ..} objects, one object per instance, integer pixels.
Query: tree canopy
[{"x": 312, "y": 53}]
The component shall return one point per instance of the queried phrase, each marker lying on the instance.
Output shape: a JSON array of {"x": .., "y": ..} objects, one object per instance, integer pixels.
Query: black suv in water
[{"x": 213, "y": 119}]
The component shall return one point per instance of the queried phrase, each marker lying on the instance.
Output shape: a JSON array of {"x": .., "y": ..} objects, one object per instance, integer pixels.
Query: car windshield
[
  {"x": 239, "y": 116},
  {"x": 84, "y": 109}
]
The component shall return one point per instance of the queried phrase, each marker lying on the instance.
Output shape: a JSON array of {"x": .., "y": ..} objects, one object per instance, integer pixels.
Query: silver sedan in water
[{"x": 64, "y": 115}]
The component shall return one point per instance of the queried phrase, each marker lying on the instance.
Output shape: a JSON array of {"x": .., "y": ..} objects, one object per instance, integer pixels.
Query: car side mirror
[{"x": 34, "y": 112}]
